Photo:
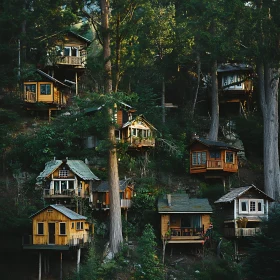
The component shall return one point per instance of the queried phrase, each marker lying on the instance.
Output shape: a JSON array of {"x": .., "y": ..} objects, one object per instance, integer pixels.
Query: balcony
[
  {"x": 72, "y": 60},
  {"x": 241, "y": 232},
  {"x": 179, "y": 233},
  {"x": 63, "y": 193},
  {"x": 143, "y": 142}
]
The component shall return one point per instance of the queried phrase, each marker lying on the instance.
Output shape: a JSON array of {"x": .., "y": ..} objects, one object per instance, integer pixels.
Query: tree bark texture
[
  {"x": 214, "y": 129},
  {"x": 268, "y": 85},
  {"x": 116, "y": 237}
]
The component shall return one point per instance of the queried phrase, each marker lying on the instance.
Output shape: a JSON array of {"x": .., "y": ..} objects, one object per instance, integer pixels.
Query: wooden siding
[{"x": 52, "y": 216}]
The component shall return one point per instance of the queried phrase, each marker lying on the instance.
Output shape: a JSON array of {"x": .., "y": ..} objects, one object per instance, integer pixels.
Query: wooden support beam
[
  {"x": 78, "y": 259},
  {"x": 40, "y": 266}
]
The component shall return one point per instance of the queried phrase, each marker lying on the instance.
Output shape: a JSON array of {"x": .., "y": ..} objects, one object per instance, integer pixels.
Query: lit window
[
  {"x": 62, "y": 228},
  {"x": 40, "y": 228},
  {"x": 198, "y": 158}
]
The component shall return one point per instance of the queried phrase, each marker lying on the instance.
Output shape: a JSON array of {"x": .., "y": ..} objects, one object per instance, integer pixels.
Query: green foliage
[
  {"x": 148, "y": 265},
  {"x": 264, "y": 255}
]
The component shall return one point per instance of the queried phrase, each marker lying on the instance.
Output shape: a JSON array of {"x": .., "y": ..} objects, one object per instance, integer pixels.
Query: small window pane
[
  {"x": 259, "y": 206},
  {"x": 229, "y": 157},
  {"x": 244, "y": 206},
  {"x": 40, "y": 228},
  {"x": 252, "y": 206},
  {"x": 45, "y": 89},
  {"x": 62, "y": 228}
]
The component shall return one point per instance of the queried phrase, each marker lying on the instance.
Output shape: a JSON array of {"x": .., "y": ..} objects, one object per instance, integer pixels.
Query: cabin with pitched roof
[
  {"x": 184, "y": 219},
  {"x": 243, "y": 210},
  {"x": 138, "y": 133},
  {"x": 100, "y": 195},
  {"x": 213, "y": 159},
  {"x": 235, "y": 85},
  {"x": 57, "y": 227},
  {"x": 63, "y": 180}
]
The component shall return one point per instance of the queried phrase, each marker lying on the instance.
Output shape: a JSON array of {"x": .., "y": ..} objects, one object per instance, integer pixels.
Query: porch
[{"x": 241, "y": 232}]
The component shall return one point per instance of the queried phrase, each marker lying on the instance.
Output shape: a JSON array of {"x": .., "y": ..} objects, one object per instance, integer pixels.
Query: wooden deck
[{"x": 241, "y": 232}]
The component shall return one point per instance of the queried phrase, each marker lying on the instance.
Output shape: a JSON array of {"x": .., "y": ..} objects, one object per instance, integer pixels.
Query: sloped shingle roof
[
  {"x": 214, "y": 144},
  {"x": 63, "y": 210},
  {"x": 181, "y": 203},
  {"x": 237, "y": 192},
  {"x": 104, "y": 186},
  {"x": 77, "y": 166}
]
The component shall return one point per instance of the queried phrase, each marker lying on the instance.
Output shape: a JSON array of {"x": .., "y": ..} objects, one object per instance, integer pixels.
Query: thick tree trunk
[
  {"x": 268, "y": 84},
  {"x": 198, "y": 62},
  {"x": 163, "y": 100},
  {"x": 118, "y": 54},
  {"x": 116, "y": 237},
  {"x": 214, "y": 129}
]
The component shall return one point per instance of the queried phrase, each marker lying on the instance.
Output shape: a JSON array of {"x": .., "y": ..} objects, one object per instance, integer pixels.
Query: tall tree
[{"x": 116, "y": 237}]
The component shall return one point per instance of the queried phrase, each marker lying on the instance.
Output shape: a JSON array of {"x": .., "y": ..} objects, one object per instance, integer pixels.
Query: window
[
  {"x": 235, "y": 82},
  {"x": 62, "y": 228},
  {"x": 63, "y": 173},
  {"x": 134, "y": 132},
  {"x": 40, "y": 228},
  {"x": 198, "y": 158},
  {"x": 67, "y": 51},
  {"x": 30, "y": 87},
  {"x": 251, "y": 206},
  {"x": 229, "y": 157},
  {"x": 191, "y": 221},
  {"x": 72, "y": 225},
  {"x": 80, "y": 225},
  {"x": 45, "y": 89},
  {"x": 215, "y": 154}
]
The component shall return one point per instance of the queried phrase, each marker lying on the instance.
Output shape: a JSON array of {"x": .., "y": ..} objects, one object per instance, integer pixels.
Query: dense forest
[{"x": 160, "y": 58}]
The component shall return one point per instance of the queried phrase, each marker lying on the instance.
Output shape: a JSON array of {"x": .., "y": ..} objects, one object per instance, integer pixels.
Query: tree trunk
[
  {"x": 213, "y": 133},
  {"x": 163, "y": 100},
  {"x": 118, "y": 54},
  {"x": 268, "y": 84},
  {"x": 116, "y": 237},
  {"x": 198, "y": 62}
]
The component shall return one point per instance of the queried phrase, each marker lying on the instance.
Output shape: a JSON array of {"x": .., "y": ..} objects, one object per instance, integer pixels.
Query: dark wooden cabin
[
  {"x": 63, "y": 180},
  {"x": 235, "y": 85},
  {"x": 214, "y": 159},
  {"x": 184, "y": 219},
  {"x": 243, "y": 210},
  {"x": 100, "y": 195}
]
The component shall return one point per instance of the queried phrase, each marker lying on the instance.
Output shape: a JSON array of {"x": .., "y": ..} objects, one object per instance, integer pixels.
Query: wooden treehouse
[
  {"x": 66, "y": 182},
  {"x": 138, "y": 133},
  {"x": 184, "y": 219},
  {"x": 48, "y": 91},
  {"x": 100, "y": 195},
  {"x": 243, "y": 209},
  {"x": 56, "y": 228},
  {"x": 213, "y": 159},
  {"x": 235, "y": 85},
  {"x": 67, "y": 58}
]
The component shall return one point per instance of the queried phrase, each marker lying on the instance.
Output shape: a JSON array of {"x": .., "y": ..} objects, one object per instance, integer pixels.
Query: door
[{"x": 51, "y": 233}]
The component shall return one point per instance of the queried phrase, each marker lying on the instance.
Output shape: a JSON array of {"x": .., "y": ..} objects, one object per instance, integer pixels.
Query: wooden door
[{"x": 51, "y": 233}]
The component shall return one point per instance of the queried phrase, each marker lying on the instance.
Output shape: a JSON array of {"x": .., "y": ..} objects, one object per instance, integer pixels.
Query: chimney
[
  {"x": 169, "y": 199},
  {"x": 195, "y": 136}
]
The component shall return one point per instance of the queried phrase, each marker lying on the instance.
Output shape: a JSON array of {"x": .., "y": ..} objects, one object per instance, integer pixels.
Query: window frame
[
  {"x": 43, "y": 228},
  {"x": 202, "y": 162},
  {"x": 46, "y": 85},
  {"x": 80, "y": 225},
  {"x": 233, "y": 157},
  {"x": 248, "y": 206},
  {"x": 60, "y": 224}
]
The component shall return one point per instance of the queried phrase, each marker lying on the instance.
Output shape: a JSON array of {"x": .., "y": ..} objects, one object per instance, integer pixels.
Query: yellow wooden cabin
[
  {"x": 214, "y": 159},
  {"x": 243, "y": 210},
  {"x": 184, "y": 219},
  {"x": 57, "y": 227},
  {"x": 100, "y": 195},
  {"x": 138, "y": 133},
  {"x": 62, "y": 180}
]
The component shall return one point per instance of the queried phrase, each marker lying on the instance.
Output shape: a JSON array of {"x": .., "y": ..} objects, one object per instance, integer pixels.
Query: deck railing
[
  {"x": 72, "y": 60},
  {"x": 50, "y": 192},
  {"x": 239, "y": 232},
  {"x": 186, "y": 231}
]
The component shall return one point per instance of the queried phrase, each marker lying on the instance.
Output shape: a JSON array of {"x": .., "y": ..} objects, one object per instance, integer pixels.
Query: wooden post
[
  {"x": 125, "y": 215},
  {"x": 78, "y": 259},
  {"x": 40, "y": 268},
  {"x": 60, "y": 266},
  {"x": 76, "y": 80}
]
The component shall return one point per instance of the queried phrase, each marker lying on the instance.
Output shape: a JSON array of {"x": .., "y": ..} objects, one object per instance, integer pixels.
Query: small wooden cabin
[
  {"x": 235, "y": 84},
  {"x": 100, "y": 195},
  {"x": 138, "y": 133},
  {"x": 48, "y": 91},
  {"x": 62, "y": 180},
  {"x": 57, "y": 227},
  {"x": 214, "y": 159},
  {"x": 184, "y": 219},
  {"x": 243, "y": 209}
]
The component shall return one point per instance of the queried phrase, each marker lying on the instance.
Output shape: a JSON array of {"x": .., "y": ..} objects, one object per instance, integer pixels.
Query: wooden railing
[
  {"x": 186, "y": 231},
  {"x": 125, "y": 203},
  {"x": 50, "y": 192},
  {"x": 239, "y": 232},
  {"x": 214, "y": 164},
  {"x": 30, "y": 97},
  {"x": 143, "y": 142},
  {"x": 72, "y": 60}
]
